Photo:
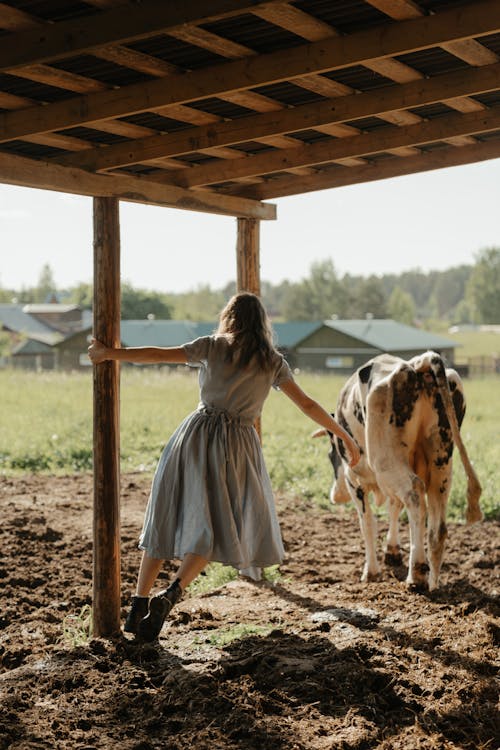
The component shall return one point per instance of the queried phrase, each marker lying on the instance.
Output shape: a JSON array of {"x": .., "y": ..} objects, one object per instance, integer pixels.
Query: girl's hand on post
[{"x": 97, "y": 352}]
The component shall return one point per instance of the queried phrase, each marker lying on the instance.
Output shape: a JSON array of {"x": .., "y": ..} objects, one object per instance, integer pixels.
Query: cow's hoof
[
  {"x": 417, "y": 577},
  {"x": 370, "y": 576},
  {"x": 394, "y": 559},
  {"x": 418, "y": 587},
  {"x": 474, "y": 515}
]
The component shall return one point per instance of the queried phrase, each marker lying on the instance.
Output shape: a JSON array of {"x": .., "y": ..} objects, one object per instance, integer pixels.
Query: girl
[{"x": 211, "y": 497}]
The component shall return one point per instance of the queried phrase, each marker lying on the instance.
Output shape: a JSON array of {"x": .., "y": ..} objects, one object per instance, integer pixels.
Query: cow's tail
[{"x": 473, "y": 512}]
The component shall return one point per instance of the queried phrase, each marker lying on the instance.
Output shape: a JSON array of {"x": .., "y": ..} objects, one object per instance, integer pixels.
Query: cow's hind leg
[
  {"x": 406, "y": 486},
  {"x": 368, "y": 526},
  {"x": 414, "y": 501},
  {"x": 392, "y": 549},
  {"x": 437, "y": 498}
]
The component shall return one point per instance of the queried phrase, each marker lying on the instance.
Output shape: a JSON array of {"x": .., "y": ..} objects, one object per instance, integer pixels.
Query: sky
[{"x": 431, "y": 221}]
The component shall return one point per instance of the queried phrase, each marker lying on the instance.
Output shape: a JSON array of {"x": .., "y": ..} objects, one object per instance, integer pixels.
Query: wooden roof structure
[
  {"x": 222, "y": 106},
  {"x": 217, "y": 106}
]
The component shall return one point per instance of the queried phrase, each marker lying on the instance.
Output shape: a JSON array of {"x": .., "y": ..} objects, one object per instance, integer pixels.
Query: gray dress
[{"x": 211, "y": 494}]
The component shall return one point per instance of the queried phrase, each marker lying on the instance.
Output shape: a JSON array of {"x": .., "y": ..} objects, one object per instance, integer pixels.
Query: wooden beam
[
  {"x": 106, "y": 549},
  {"x": 390, "y": 137},
  {"x": 331, "y": 54},
  {"x": 117, "y": 25},
  {"x": 17, "y": 170},
  {"x": 328, "y": 178},
  {"x": 304, "y": 117}
]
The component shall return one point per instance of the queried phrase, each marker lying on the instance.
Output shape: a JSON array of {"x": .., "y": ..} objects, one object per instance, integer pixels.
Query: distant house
[
  {"x": 344, "y": 345},
  {"x": 36, "y": 352},
  {"x": 331, "y": 345},
  {"x": 45, "y": 337}
]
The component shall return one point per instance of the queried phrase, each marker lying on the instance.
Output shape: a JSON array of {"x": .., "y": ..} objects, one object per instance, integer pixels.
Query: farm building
[
  {"x": 335, "y": 345},
  {"x": 46, "y": 337},
  {"x": 344, "y": 345},
  {"x": 220, "y": 107}
]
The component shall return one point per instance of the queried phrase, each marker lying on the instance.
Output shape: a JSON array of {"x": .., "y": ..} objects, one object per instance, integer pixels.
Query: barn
[
  {"x": 342, "y": 346},
  {"x": 221, "y": 107}
]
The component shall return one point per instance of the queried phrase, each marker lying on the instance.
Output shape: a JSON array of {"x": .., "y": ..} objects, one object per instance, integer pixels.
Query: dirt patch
[{"x": 322, "y": 661}]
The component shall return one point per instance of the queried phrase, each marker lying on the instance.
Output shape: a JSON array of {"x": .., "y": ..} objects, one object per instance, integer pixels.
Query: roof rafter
[
  {"x": 280, "y": 187},
  {"x": 81, "y": 35},
  {"x": 335, "y": 53},
  {"x": 331, "y": 111},
  {"x": 390, "y": 137}
]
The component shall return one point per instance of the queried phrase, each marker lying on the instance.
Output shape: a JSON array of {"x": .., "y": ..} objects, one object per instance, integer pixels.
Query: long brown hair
[{"x": 245, "y": 321}]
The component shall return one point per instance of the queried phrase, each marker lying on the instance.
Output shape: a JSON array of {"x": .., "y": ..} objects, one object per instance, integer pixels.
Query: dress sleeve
[
  {"x": 282, "y": 373},
  {"x": 197, "y": 351}
]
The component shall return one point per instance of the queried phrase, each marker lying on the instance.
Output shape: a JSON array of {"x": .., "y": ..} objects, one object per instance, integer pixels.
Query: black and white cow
[{"x": 405, "y": 416}]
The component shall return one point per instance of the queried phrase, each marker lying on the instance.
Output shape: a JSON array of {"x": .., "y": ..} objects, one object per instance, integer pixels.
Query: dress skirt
[{"x": 211, "y": 495}]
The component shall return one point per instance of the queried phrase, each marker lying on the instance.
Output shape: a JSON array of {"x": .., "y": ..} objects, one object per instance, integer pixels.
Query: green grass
[
  {"x": 224, "y": 636},
  {"x": 77, "y": 629},
  {"x": 475, "y": 344},
  {"x": 47, "y": 427}
]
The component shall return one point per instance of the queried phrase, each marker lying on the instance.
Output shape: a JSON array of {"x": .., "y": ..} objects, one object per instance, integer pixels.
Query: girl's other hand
[
  {"x": 354, "y": 453},
  {"x": 97, "y": 352}
]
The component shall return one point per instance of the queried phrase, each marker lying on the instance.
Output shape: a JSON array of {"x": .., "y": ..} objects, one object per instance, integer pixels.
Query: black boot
[
  {"x": 159, "y": 607},
  {"x": 138, "y": 610}
]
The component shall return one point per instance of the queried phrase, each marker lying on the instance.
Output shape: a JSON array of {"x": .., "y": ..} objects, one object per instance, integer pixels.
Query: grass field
[
  {"x": 475, "y": 344},
  {"x": 47, "y": 427}
]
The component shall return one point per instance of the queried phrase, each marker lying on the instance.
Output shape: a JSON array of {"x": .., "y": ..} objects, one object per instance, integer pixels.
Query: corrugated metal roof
[
  {"x": 287, "y": 335},
  {"x": 388, "y": 335},
  {"x": 14, "y": 318},
  {"x": 39, "y": 344},
  {"x": 177, "y": 332},
  {"x": 162, "y": 332}
]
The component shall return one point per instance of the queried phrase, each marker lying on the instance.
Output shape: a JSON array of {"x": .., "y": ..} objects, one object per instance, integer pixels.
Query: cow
[{"x": 405, "y": 417}]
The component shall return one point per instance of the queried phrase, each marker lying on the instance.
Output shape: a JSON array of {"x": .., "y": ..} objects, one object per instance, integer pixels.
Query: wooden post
[
  {"x": 248, "y": 265},
  {"x": 248, "y": 256},
  {"x": 106, "y": 563}
]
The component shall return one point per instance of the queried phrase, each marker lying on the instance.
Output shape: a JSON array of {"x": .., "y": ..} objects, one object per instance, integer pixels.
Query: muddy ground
[{"x": 335, "y": 664}]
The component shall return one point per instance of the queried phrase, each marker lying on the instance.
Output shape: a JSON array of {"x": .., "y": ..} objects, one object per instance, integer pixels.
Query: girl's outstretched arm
[
  {"x": 315, "y": 411},
  {"x": 146, "y": 355}
]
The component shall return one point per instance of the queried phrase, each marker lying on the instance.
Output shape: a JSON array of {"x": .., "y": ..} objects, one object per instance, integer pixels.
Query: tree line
[{"x": 434, "y": 299}]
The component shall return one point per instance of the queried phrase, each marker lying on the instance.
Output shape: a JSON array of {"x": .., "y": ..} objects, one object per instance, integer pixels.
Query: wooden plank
[
  {"x": 398, "y": 9},
  {"x": 60, "y": 79},
  {"x": 471, "y": 51},
  {"x": 12, "y": 19},
  {"x": 295, "y": 20},
  {"x": 131, "y": 58},
  {"x": 319, "y": 115},
  {"x": 437, "y": 129},
  {"x": 17, "y": 170},
  {"x": 316, "y": 57},
  {"x": 106, "y": 523},
  {"x": 80, "y": 35},
  {"x": 396, "y": 167}
]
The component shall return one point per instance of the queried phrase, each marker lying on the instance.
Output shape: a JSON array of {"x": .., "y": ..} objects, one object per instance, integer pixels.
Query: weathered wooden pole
[
  {"x": 248, "y": 256},
  {"x": 248, "y": 265},
  {"x": 106, "y": 562}
]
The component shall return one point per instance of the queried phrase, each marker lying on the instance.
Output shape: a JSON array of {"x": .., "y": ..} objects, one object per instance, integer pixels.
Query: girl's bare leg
[
  {"x": 190, "y": 568},
  {"x": 148, "y": 573}
]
